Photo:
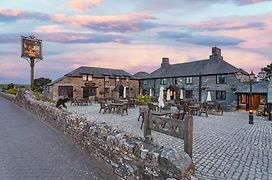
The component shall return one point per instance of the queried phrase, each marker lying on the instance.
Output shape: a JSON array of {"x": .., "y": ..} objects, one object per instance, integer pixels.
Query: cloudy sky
[{"x": 132, "y": 34}]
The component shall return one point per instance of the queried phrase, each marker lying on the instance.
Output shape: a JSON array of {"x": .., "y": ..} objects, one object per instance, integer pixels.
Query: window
[
  {"x": 174, "y": 80},
  {"x": 188, "y": 93},
  {"x": 127, "y": 79},
  {"x": 163, "y": 81},
  {"x": 189, "y": 80},
  {"x": 107, "y": 78},
  {"x": 90, "y": 77},
  {"x": 87, "y": 77},
  {"x": 243, "y": 99},
  {"x": 65, "y": 91},
  {"x": 84, "y": 77},
  {"x": 117, "y": 78},
  {"x": 221, "y": 95},
  {"x": 221, "y": 79},
  {"x": 145, "y": 82}
]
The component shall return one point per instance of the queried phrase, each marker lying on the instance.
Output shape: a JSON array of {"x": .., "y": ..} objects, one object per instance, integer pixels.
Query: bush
[
  {"x": 143, "y": 100},
  {"x": 11, "y": 91},
  {"x": 38, "y": 96}
]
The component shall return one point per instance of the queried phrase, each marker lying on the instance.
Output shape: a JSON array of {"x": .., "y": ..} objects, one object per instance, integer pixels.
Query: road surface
[{"x": 30, "y": 149}]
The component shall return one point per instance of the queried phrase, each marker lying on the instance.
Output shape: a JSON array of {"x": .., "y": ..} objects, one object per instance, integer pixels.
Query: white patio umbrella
[
  {"x": 168, "y": 95},
  {"x": 125, "y": 92},
  {"x": 160, "y": 100},
  {"x": 181, "y": 94},
  {"x": 150, "y": 92},
  {"x": 209, "y": 97}
]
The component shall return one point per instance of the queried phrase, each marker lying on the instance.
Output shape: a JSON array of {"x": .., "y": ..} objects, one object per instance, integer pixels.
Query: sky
[{"x": 132, "y": 35}]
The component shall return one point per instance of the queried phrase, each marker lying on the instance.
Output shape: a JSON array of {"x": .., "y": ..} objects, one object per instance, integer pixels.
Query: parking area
[{"x": 224, "y": 147}]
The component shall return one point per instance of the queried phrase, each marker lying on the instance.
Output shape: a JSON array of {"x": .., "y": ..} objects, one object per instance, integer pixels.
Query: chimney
[
  {"x": 165, "y": 62},
  {"x": 216, "y": 54}
]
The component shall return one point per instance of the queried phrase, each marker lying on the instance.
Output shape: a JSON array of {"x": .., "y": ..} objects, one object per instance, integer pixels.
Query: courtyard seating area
[{"x": 223, "y": 146}]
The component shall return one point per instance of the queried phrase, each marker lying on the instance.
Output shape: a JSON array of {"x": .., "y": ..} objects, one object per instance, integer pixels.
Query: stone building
[
  {"x": 195, "y": 79},
  {"x": 259, "y": 95},
  {"x": 84, "y": 82}
]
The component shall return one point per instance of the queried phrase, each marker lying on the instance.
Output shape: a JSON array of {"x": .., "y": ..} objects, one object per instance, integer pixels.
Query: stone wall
[{"x": 130, "y": 157}]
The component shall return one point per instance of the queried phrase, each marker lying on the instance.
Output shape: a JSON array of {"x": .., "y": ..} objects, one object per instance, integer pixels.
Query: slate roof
[
  {"x": 269, "y": 93},
  {"x": 98, "y": 72},
  {"x": 141, "y": 75},
  {"x": 194, "y": 68},
  {"x": 56, "y": 81},
  {"x": 257, "y": 88}
]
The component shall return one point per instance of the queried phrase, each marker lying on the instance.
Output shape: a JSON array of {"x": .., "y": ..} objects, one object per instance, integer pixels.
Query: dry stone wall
[{"x": 130, "y": 157}]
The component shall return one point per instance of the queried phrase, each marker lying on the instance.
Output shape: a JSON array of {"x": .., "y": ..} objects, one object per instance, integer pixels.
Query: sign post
[{"x": 32, "y": 52}]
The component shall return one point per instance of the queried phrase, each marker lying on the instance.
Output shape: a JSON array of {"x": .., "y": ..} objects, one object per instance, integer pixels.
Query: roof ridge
[{"x": 99, "y": 68}]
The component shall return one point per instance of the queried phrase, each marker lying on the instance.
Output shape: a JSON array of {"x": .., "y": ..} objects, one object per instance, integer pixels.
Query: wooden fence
[{"x": 182, "y": 129}]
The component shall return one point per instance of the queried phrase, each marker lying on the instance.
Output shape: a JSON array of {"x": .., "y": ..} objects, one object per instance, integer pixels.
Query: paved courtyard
[{"x": 224, "y": 147}]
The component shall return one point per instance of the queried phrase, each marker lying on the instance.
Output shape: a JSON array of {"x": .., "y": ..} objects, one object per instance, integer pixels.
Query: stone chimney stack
[
  {"x": 216, "y": 54},
  {"x": 165, "y": 62}
]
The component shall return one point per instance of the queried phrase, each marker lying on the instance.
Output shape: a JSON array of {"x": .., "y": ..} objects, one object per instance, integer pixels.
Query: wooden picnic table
[
  {"x": 161, "y": 113},
  {"x": 116, "y": 106}
]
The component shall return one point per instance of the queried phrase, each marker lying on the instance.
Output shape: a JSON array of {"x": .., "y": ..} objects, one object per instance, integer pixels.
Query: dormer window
[
  {"x": 87, "y": 77},
  {"x": 117, "y": 78}
]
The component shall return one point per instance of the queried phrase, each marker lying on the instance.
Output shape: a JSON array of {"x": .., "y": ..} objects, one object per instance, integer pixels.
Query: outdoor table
[
  {"x": 193, "y": 110},
  {"x": 161, "y": 113},
  {"x": 118, "y": 106}
]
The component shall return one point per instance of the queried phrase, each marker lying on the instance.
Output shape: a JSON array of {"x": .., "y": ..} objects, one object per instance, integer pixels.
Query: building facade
[
  {"x": 195, "y": 79},
  {"x": 85, "y": 82}
]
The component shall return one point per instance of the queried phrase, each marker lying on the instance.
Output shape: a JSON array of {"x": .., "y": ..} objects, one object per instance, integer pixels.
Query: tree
[
  {"x": 40, "y": 83},
  {"x": 268, "y": 70}
]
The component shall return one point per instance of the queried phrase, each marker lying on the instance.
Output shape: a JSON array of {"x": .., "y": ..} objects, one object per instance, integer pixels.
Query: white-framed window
[
  {"x": 127, "y": 79},
  {"x": 145, "y": 82},
  {"x": 107, "y": 78},
  {"x": 90, "y": 77},
  {"x": 163, "y": 81},
  {"x": 189, "y": 80},
  {"x": 87, "y": 77},
  {"x": 117, "y": 78},
  {"x": 188, "y": 94},
  {"x": 221, "y": 79},
  {"x": 84, "y": 77}
]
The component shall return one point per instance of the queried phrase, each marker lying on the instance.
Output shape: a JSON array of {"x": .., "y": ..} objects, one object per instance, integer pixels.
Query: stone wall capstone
[{"x": 130, "y": 157}]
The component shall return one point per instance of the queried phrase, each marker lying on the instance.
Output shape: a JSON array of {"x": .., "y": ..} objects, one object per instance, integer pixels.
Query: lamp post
[{"x": 251, "y": 78}]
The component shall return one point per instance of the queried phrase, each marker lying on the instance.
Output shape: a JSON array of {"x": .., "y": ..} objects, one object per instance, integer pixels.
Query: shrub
[
  {"x": 11, "y": 91},
  {"x": 38, "y": 96},
  {"x": 143, "y": 100}
]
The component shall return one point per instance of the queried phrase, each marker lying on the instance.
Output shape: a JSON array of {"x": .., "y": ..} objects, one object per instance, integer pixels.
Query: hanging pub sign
[{"x": 31, "y": 47}]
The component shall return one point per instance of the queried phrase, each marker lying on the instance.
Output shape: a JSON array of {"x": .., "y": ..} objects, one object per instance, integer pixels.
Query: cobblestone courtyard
[{"x": 224, "y": 147}]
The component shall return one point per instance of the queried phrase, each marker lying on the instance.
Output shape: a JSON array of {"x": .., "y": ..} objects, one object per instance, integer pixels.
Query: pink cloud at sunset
[
  {"x": 53, "y": 28},
  {"x": 127, "y": 22},
  {"x": 82, "y": 5},
  {"x": 10, "y": 12},
  {"x": 133, "y": 35}
]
